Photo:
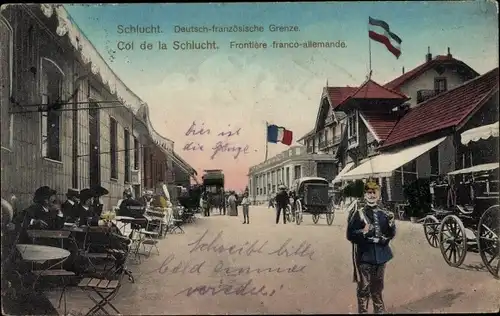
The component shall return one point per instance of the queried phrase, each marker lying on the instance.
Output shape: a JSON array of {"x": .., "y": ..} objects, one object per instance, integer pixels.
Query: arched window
[
  {"x": 6, "y": 66},
  {"x": 51, "y": 82}
]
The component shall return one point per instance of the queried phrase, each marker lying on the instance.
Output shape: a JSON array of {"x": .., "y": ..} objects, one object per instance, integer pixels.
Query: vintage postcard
[{"x": 250, "y": 158}]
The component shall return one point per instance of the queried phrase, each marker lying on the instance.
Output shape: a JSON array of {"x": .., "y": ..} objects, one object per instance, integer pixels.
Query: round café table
[{"x": 39, "y": 253}]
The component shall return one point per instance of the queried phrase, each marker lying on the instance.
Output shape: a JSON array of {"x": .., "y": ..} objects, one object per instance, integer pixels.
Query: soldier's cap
[{"x": 371, "y": 185}]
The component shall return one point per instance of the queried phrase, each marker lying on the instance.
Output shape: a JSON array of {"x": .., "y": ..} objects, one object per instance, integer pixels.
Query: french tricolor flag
[{"x": 278, "y": 134}]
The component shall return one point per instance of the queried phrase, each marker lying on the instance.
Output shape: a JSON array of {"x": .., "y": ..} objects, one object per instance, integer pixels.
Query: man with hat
[
  {"x": 370, "y": 230},
  {"x": 282, "y": 200},
  {"x": 111, "y": 240},
  {"x": 97, "y": 192},
  {"x": 69, "y": 207}
]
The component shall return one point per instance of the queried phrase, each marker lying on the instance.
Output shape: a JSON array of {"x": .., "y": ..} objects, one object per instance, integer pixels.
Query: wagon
[
  {"x": 468, "y": 221},
  {"x": 312, "y": 197}
]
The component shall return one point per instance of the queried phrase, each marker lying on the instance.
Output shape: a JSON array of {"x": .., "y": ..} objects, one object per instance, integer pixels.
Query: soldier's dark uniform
[{"x": 370, "y": 255}]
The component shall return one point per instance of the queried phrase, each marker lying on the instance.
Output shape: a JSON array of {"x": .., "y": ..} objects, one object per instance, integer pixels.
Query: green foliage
[
  {"x": 418, "y": 196},
  {"x": 354, "y": 189}
]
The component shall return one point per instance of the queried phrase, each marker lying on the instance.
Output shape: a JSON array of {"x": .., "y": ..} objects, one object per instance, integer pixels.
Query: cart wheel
[
  {"x": 329, "y": 218},
  {"x": 453, "y": 240},
  {"x": 288, "y": 214},
  {"x": 488, "y": 241},
  {"x": 431, "y": 231},
  {"x": 315, "y": 218},
  {"x": 298, "y": 212}
]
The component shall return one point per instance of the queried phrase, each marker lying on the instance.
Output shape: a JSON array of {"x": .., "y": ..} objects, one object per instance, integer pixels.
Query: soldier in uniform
[{"x": 370, "y": 230}]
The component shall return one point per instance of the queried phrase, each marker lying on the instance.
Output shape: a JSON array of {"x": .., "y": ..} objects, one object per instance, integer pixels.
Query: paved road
[{"x": 254, "y": 269}]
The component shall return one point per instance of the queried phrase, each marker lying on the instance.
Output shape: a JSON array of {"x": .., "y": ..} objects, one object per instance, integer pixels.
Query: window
[
  {"x": 352, "y": 126},
  {"x": 6, "y": 66},
  {"x": 136, "y": 154},
  {"x": 113, "y": 142},
  {"x": 440, "y": 85},
  {"x": 126, "y": 139},
  {"x": 297, "y": 172},
  {"x": 408, "y": 172},
  {"x": 51, "y": 88},
  {"x": 434, "y": 159}
]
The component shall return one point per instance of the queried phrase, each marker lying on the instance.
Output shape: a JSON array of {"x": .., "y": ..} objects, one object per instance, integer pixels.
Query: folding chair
[
  {"x": 176, "y": 224},
  {"x": 147, "y": 237},
  {"x": 106, "y": 290}
]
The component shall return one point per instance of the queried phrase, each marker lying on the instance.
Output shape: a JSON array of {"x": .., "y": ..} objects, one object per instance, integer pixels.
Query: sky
[{"x": 238, "y": 90}]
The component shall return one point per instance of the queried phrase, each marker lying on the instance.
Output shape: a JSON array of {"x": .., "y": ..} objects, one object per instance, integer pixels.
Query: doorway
[{"x": 94, "y": 154}]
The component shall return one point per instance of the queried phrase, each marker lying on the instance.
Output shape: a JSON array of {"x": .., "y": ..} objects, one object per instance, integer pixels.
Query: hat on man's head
[
  {"x": 86, "y": 194},
  {"x": 371, "y": 185},
  {"x": 97, "y": 190},
  {"x": 43, "y": 193},
  {"x": 73, "y": 193}
]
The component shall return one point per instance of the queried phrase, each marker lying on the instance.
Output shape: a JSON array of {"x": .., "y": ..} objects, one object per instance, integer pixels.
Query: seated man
[
  {"x": 40, "y": 215},
  {"x": 147, "y": 198},
  {"x": 69, "y": 207},
  {"x": 109, "y": 239}
]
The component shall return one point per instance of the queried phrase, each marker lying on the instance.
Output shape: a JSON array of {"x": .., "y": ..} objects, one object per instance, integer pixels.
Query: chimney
[
  {"x": 428, "y": 57},
  {"x": 449, "y": 54},
  {"x": 403, "y": 70}
]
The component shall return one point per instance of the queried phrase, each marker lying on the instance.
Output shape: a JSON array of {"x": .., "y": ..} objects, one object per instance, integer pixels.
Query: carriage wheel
[
  {"x": 298, "y": 212},
  {"x": 453, "y": 240},
  {"x": 329, "y": 218},
  {"x": 315, "y": 218},
  {"x": 288, "y": 214},
  {"x": 431, "y": 231},
  {"x": 488, "y": 241}
]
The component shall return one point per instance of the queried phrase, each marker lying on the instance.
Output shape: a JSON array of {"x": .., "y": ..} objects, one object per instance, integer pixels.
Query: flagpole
[
  {"x": 369, "y": 53},
  {"x": 267, "y": 141}
]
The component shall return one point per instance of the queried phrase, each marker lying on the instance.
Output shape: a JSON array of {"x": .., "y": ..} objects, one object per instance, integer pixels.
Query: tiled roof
[
  {"x": 380, "y": 123},
  {"x": 372, "y": 90},
  {"x": 438, "y": 60},
  {"x": 445, "y": 110},
  {"x": 338, "y": 94},
  {"x": 311, "y": 132}
]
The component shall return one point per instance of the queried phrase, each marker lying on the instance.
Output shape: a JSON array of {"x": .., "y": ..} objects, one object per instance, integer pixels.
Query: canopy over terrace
[
  {"x": 477, "y": 168},
  {"x": 384, "y": 164},
  {"x": 344, "y": 170},
  {"x": 481, "y": 132}
]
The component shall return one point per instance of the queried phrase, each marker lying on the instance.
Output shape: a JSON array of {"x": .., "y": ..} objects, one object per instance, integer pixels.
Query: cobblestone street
[{"x": 314, "y": 278}]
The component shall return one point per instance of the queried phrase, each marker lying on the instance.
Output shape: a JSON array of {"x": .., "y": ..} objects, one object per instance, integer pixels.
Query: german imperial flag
[{"x": 379, "y": 31}]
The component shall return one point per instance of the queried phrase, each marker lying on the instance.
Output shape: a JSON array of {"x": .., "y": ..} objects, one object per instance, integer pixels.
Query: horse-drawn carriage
[
  {"x": 312, "y": 197},
  {"x": 466, "y": 216},
  {"x": 213, "y": 183}
]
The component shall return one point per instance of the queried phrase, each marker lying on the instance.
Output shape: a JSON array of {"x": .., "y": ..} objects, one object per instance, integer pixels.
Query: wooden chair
[{"x": 105, "y": 290}]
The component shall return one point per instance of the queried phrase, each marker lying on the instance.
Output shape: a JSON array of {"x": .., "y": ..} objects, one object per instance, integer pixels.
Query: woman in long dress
[{"x": 233, "y": 211}]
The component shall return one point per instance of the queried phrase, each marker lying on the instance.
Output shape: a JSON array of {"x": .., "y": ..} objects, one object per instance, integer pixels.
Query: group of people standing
[{"x": 230, "y": 202}]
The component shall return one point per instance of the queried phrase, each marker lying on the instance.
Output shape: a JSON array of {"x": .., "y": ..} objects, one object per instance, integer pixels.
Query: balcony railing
[
  {"x": 329, "y": 120},
  {"x": 426, "y": 94}
]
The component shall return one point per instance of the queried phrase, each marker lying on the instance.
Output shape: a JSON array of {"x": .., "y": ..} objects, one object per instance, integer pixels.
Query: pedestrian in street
[
  {"x": 282, "y": 201},
  {"x": 370, "y": 230},
  {"x": 246, "y": 206},
  {"x": 233, "y": 211}
]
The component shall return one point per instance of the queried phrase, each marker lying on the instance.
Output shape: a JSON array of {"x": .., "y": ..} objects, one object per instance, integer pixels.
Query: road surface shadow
[
  {"x": 430, "y": 303},
  {"x": 479, "y": 267}
]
